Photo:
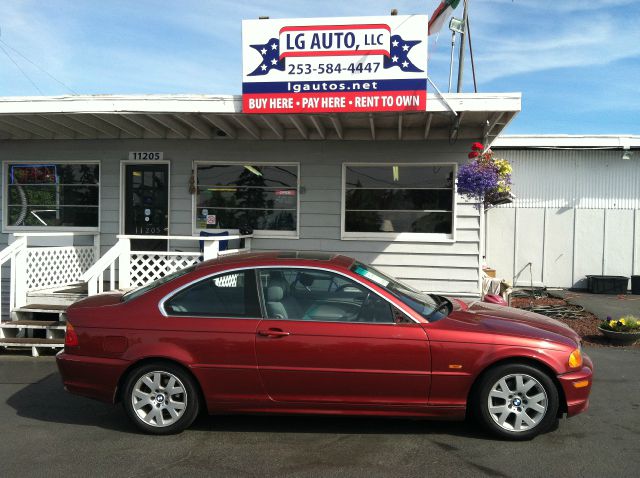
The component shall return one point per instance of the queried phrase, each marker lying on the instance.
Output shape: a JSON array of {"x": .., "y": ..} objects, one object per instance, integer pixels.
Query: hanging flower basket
[{"x": 486, "y": 179}]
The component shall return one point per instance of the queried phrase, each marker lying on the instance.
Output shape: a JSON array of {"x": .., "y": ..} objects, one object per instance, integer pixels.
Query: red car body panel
[{"x": 252, "y": 365}]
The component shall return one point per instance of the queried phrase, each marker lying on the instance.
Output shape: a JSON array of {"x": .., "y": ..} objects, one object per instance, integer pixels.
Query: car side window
[
  {"x": 227, "y": 295},
  {"x": 322, "y": 296}
]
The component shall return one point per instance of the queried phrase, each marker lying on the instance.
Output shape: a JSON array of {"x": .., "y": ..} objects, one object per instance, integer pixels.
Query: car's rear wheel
[
  {"x": 161, "y": 398},
  {"x": 517, "y": 401}
]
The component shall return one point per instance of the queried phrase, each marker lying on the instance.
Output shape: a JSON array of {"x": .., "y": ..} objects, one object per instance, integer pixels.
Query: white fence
[
  {"x": 37, "y": 268},
  {"x": 49, "y": 267},
  {"x": 136, "y": 268},
  {"x": 148, "y": 266},
  {"x": 563, "y": 245}
]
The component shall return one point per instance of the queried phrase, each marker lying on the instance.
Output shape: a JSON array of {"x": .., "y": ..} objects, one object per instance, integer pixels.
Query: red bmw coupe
[{"x": 286, "y": 332}]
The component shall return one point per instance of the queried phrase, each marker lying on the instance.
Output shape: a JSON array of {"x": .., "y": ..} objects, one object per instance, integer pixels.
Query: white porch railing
[
  {"x": 136, "y": 268},
  {"x": 44, "y": 267},
  {"x": 13, "y": 253}
]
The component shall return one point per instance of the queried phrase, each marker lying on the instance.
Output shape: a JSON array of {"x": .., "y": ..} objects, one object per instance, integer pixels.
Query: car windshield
[
  {"x": 137, "y": 292},
  {"x": 431, "y": 307}
]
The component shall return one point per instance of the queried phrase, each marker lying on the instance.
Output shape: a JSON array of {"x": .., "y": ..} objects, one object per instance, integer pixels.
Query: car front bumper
[{"x": 577, "y": 387}]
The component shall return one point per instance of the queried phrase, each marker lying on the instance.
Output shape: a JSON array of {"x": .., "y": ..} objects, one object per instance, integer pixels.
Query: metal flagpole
[
  {"x": 462, "y": 40},
  {"x": 453, "y": 47}
]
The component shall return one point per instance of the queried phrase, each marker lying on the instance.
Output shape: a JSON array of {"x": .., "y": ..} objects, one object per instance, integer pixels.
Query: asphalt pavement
[
  {"x": 602, "y": 305},
  {"x": 45, "y": 431}
]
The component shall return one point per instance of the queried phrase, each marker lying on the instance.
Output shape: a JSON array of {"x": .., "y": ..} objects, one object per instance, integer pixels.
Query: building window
[
  {"x": 262, "y": 196},
  {"x": 398, "y": 201},
  {"x": 52, "y": 196}
]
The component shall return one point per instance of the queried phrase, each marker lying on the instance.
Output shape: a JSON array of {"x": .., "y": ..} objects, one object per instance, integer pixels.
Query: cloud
[
  {"x": 573, "y": 42},
  {"x": 564, "y": 6}
]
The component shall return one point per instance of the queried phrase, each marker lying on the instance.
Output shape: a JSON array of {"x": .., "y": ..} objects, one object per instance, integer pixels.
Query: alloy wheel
[
  {"x": 159, "y": 398},
  {"x": 517, "y": 402}
]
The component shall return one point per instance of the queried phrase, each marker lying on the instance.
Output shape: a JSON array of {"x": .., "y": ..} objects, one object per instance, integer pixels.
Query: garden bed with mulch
[{"x": 583, "y": 322}]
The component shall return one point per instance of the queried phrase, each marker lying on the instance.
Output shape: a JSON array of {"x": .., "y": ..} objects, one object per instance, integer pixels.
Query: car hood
[{"x": 484, "y": 318}]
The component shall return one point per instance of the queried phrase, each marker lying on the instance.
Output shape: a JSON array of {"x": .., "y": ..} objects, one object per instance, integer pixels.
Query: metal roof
[
  {"x": 561, "y": 141},
  {"x": 480, "y": 115}
]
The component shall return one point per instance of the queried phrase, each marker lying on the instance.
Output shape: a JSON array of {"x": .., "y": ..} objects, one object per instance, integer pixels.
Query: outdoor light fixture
[
  {"x": 396, "y": 174},
  {"x": 456, "y": 25},
  {"x": 627, "y": 154}
]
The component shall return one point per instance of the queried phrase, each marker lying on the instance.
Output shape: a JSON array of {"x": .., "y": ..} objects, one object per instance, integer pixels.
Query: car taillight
[{"x": 71, "y": 337}]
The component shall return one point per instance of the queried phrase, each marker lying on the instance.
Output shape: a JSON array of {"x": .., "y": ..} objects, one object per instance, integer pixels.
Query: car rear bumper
[
  {"x": 577, "y": 387},
  {"x": 93, "y": 377}
]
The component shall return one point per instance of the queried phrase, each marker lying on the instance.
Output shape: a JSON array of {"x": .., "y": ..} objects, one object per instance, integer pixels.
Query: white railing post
[
  {"x": 247, "y": 243},
  {"x": 210, "y": 250},
  {"x": 19, "y": 275},
  {"x": 124, "y": 264},
  {"x": 96, "y": 248},
  {"x": 92, "y": 285}
]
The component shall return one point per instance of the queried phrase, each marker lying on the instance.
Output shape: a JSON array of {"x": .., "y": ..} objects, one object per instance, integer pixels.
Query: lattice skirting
[
  {"x": 146, "y": 268},
  {"x": 56, "y": 266}
]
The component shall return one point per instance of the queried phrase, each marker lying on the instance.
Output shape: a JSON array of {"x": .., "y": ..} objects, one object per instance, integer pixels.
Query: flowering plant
[
  {"x": 628, "y": 323},
  {"x": 486, "y": 177}
]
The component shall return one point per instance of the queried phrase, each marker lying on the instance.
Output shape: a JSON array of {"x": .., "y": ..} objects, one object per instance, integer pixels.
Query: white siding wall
[
  {"x": 443, "y": 267},
  {"x": 577, "y": 213}
]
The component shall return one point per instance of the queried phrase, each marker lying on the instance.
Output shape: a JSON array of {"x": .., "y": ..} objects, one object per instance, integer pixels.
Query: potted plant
[
  {"x": 486, "y": 178},
  {"x": 624, "y": 331}
]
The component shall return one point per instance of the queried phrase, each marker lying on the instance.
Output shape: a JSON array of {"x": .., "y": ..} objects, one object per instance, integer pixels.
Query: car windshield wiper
[{"x": 441, "y": 305}]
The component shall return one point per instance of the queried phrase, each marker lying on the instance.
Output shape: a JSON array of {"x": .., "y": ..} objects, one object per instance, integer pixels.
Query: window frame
[
  {"x": 256, "y": 270},
  {"x": 265, "y": 234},
  {"x": 355, "y": 282},
  {"x": 6, "y": 228},
  {"x": 398, "y": 236},
  {"x": 174, "y": 293}
]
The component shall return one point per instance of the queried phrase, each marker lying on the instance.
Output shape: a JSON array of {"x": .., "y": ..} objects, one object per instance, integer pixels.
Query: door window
[
  {"x": 228, "y": 295},
  {"x": 315, "y": 295},
  {"x": 147, "y": 204}
]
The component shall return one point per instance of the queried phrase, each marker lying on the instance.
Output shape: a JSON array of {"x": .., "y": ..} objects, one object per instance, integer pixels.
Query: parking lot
[{"x": 46, "y": 432}]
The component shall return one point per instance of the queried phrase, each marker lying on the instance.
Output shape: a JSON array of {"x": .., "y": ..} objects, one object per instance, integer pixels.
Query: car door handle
[{"x": 273, "y": 333}]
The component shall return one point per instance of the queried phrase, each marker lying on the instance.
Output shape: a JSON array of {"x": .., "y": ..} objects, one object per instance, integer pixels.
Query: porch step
[
  {"x": 33, "y": 324},
  {"x": 31, "y": 342},
  {"x": 34, "y": 312},
  {"x": 42, "y": 308},
  {"x": 63, "y": 295},
  {"x": 35, "y": 344}
]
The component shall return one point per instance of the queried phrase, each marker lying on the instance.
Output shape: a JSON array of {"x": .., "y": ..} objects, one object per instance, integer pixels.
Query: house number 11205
[{"x": 145, "y": 155}]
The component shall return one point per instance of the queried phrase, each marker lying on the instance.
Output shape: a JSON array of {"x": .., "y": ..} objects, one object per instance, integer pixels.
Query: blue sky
[{"x": 577, "y": 63}]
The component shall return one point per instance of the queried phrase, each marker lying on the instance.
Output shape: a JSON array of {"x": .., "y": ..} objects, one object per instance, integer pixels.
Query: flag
[
  {"x": 270, "y": 52},
  {"x": 399, "y": 54},
  {"x": 441, "y": 14}
]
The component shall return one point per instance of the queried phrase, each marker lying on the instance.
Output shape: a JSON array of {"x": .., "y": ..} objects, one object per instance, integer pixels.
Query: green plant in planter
[
  {"x": 623, "y": 331},
  {"x": 628, "y": 323}
]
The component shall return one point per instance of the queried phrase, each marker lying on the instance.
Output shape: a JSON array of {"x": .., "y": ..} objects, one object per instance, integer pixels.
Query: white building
[
  {"x": 83, "y": 177},
  {"x": 86, "y": 178},
  {"x": 577, "y": 211}
]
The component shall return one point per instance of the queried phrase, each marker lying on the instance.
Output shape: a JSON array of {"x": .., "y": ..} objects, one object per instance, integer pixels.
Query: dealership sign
[{"x": 327, "y": 65}]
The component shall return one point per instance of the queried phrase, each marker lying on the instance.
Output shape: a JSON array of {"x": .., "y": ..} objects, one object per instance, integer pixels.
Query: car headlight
[{"x": 575, "y": 359}]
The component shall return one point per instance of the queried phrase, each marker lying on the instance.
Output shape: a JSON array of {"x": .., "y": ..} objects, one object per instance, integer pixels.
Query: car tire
[
  {"x": 161, "y": 398},
  {"x": 516, "y": 401}
]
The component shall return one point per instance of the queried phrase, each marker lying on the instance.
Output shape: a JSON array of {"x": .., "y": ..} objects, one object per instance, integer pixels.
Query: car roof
[{"x": 289, "y": 258}]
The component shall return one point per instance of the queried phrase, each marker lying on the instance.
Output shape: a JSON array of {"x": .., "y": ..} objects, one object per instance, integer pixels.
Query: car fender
[{"x": 163, "y": 350}]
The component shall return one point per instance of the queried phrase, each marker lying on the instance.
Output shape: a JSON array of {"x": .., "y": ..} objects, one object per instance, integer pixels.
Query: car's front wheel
[
  {"x": 161, "y": 398},
  {"x": 517, "y": 401}
]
